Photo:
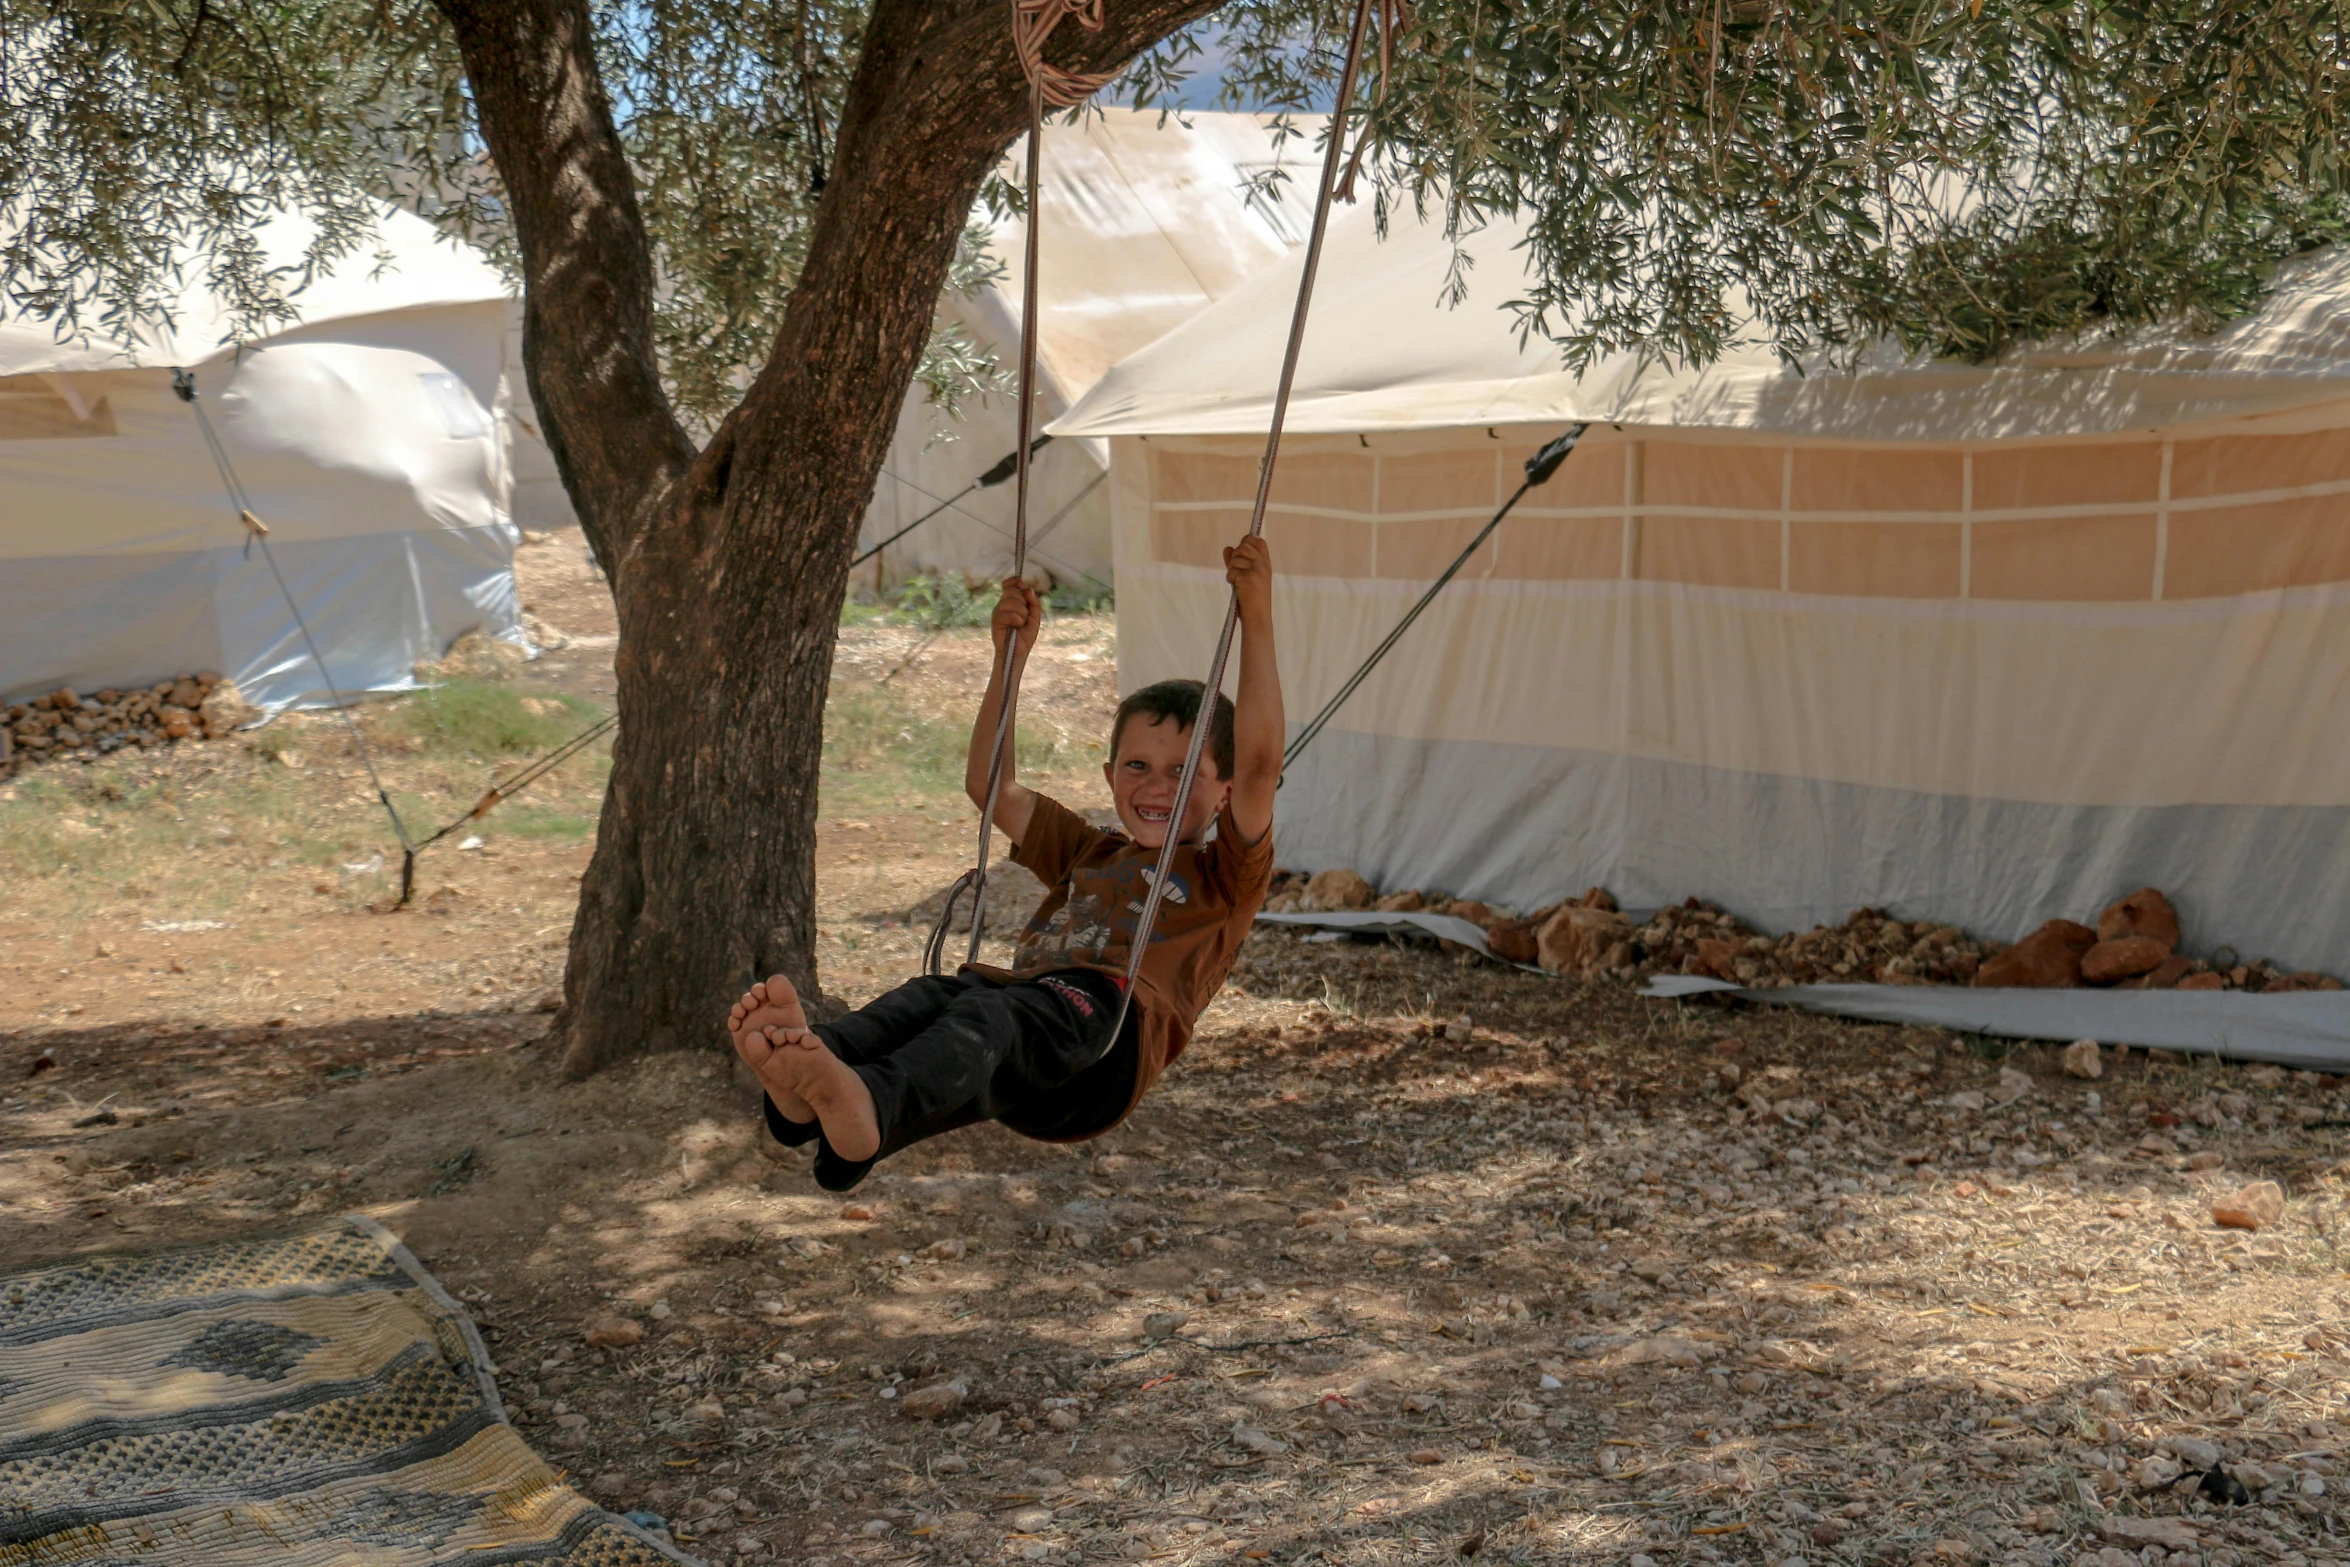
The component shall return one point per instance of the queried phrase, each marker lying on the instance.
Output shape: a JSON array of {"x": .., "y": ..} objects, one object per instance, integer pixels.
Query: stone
[
  {"x": 1257, "y": 1441},
  {"x": 2013, "y": 1085},
  {"x": 1426, "y": 1455},
  {"x": 1333, "y": 890},
  {"x": 2204, "y": 981},
  {"x": 1401, "y": 903},
  {"x": 709, "y": 1409},
  {"x": 615, "y": 1332},
  {"x": 2145, "y": 914},
  {"x": 937, "y": 1401},
  {"x": 1597, "y": 898},
  {"x": 1663, "y": 1350},
  {"x": 1826, "y": 1533},
  {"x": 1027, "y": 1520},
  {"x": 1159, "y": 1324},
  {"x": 2194, "y": 1452},
  {"x": 2125, "y": 957},
  {"x": 1574, "y": 940},
  {"x": 2080, "y": 1059},
  {"x": 2251, "y": 1207},
  {"x": 225, "y": 710},
  {"x": 2171, "y": 1533},
  {"x": 2166, "y": 974},
  {"x": 1715, "y": 957},
  {"x": 1514, "y": 941},
  {"x": 1470, "y": 909},
  {"x": 2152, "y": 1474},
  {"x": 2048, "y": 959},
  {"x": 857, "y": 1213},
  {"x": 951, "y": 1249}
]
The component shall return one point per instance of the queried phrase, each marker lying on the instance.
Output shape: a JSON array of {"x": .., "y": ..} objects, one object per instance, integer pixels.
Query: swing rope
[
  {"x": 1032, "y": 22},
  {"x": 1212, "y": 690}
]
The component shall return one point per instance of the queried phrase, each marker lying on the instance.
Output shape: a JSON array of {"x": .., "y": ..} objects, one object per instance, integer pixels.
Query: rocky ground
[{"x": 1407, "y": 1260}]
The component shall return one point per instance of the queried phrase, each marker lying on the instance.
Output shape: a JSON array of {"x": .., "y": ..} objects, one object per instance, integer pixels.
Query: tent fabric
[
  {"x": 1148, "y": 219},
  {"x": 371, "y": 443},
  {"x": 2004, "y": 659},
  {"x": 1383, "y": 352}
]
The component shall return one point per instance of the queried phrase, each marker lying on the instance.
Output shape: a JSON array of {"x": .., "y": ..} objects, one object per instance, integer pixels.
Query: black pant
[{"x": 950, "y": 1050}]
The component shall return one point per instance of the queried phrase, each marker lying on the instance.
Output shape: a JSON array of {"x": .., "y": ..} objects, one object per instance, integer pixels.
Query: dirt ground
[{"x": 1406, "y": 1260}]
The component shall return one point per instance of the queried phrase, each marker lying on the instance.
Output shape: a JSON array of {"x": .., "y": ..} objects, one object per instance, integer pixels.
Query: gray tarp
[{"x": 2308, "y": 1029}]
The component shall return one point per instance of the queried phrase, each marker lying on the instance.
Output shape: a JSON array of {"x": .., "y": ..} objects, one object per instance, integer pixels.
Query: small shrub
[
  {"x": 940, "y": 603},
  {"x": 1082, "y": 598}
]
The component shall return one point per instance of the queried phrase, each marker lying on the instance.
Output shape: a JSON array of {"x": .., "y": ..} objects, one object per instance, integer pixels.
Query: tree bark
[{"x": 728, "y": 566}]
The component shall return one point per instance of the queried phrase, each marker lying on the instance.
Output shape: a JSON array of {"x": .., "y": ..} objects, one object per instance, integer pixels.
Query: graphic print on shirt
[{"x": 1095, "y": 927}]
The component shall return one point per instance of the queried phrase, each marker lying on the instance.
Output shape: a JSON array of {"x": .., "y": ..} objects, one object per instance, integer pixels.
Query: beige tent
[
  {"x": 1986, "y": 644},
  {"x": 1147, "y": 221},
  {"x": 369, "y": 435}
]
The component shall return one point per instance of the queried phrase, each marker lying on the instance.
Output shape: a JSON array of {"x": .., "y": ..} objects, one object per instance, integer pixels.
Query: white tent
[
  {"x": 369, "y": 434},
  {"x": 1983, "y": 644},
  {"x": 1147, "y": 220}
]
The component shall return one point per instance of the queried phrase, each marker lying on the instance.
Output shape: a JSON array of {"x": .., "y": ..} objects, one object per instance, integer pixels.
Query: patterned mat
[{"x": 306, "y": 1400}]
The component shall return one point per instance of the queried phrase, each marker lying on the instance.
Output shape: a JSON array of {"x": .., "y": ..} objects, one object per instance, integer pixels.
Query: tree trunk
[{"x": 728, "y": 567}]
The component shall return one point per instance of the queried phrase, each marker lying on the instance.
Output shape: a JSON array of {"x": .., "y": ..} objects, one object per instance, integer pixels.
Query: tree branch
[
  {"x": 937, "y": 97},
  {"x": 587, "y": 336}
]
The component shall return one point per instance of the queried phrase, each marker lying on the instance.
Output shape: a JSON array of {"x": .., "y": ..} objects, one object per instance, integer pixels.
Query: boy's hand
[
  {"x": 1248, "y": 566},
  {"x": 1019, "y": 613}
]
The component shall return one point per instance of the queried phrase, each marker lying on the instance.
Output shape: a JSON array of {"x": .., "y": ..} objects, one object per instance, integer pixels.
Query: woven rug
[{"x": 310, "y": 1399}]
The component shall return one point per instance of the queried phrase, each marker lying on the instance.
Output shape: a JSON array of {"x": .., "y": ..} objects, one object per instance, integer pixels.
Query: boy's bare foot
[
  {"x": 794, "y": 1063},
  {"x": 772, "y": 1003}
]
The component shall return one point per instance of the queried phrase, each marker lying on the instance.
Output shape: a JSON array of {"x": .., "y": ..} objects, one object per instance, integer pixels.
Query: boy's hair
[{"x": 1179, "y": 700}]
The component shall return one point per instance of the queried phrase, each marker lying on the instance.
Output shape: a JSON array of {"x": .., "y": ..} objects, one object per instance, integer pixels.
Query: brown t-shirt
[{"x": 1098, "y": 881}]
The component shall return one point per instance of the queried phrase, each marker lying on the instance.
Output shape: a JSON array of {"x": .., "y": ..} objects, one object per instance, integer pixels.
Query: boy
[{"x": 1030, "y": 1046}]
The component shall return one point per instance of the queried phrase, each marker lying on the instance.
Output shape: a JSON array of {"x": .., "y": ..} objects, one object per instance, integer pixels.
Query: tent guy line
[
  {"x": 183, "y": 385},
  {"x": 952, "y": 502},
  {"x": 1539, "y": 468},
  {"x": 1004, "y": 469}
]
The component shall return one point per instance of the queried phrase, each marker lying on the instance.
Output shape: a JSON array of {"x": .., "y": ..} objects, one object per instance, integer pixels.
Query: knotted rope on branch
[{"x": 1033, "y": 22}]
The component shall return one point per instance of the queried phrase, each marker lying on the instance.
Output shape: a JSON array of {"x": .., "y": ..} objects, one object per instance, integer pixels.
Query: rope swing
[
  {"x": 1331, "y": 159},
  {"x": 1032, "y": 22}
]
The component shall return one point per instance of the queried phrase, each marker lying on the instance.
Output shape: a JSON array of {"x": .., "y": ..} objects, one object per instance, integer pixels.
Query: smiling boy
[{"x": 1030, "y": 1045}]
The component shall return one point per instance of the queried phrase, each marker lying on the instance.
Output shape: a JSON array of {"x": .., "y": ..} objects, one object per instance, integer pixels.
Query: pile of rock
[
  {"x": 65, "y": 725},
  {"x": 2133, "y": 947}
]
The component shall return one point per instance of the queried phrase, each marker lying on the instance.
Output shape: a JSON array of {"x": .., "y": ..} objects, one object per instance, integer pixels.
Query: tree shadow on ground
[{"x": 1588, "y": 1302}]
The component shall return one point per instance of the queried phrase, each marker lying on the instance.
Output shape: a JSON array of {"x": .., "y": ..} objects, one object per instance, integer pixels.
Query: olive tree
[{"x": 732, "y": 221}]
